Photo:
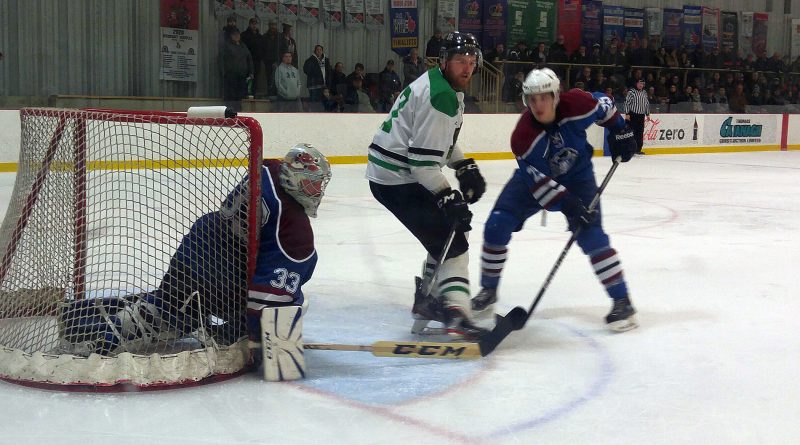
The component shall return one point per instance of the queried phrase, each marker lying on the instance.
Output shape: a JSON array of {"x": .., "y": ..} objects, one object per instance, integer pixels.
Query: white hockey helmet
[
  {"x": 304, "y": 175},
  {"x": 539, "y": 81}
]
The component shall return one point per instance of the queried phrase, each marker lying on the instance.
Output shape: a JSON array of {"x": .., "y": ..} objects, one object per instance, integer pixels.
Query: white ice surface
[{"x": 711, "y": 250}]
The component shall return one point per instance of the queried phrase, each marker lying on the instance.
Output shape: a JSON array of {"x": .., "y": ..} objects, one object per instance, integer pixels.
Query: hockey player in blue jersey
[
  {"x": 291, "y": 191},
  {"x": 555, "y": 173}
]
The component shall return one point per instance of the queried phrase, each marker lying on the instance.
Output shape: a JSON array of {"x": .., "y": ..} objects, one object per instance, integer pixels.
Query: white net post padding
[{"x": 100, "y": 281}]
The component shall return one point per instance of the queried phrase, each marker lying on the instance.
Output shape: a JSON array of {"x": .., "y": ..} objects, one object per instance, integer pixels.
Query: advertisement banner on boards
[
  {"x": 494, "y": 23},
  {"x": 613, "y": 24},
  {"x": 740, "y": 129},
  {"x": 592, "y": 22},
  {"x": 710, "y": 18},
  {"x": 569, "y": 24},
  {"x": 671, "y": 130},
  {"x": 691, "y": 26},
  {"x": 404, "y": 17}
]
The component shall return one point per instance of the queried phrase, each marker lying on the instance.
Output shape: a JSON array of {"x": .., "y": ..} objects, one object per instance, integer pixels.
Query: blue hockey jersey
[{"x": 560, "y": 150}]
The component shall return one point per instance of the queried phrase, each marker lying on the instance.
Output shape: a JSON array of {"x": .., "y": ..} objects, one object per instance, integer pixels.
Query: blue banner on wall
[
  {"x": 691, "y": 26},
  {"x": 592, "y": 17},
  {"x": 494, "y": 23},
  {"x": 470, "y": 17},
  {"x": 404, "y": 18},
  {"x": 613, "y": 24},
  {"x": 634, "y": 25},
  {"x": 673, "y": 18}
]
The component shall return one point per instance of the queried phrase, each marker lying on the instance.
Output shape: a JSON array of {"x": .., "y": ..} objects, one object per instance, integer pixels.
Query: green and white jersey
[{"x": 418, "y": 137}]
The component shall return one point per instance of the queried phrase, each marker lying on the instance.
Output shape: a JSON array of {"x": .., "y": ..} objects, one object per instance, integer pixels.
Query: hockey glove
[
  {"x": 622, "y": 144},
  {"x": 577, "y": 214},
  {"x": 470, "y": 180},
  {"x": 455, "y": 209}
]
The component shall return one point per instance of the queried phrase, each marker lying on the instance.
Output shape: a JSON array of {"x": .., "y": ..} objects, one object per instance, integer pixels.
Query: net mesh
[{"x": 115, "y": 250}]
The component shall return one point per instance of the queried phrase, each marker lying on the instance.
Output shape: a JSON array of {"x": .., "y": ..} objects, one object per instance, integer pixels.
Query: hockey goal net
[{"x": 102, "y": 201}]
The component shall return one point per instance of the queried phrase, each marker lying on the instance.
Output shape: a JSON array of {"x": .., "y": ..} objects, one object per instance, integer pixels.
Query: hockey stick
[
  {"x": 421, "y": 326},
  {"x": 515, "y": 319},
  {"x": 409, "y": 349}
]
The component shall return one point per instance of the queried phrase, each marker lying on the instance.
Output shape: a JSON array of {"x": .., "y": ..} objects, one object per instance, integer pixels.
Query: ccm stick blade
[{"x": 410, "y": 349}]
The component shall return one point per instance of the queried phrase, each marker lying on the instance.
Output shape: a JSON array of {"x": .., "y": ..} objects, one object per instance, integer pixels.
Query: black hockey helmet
[{"x": 460, "y": 43}]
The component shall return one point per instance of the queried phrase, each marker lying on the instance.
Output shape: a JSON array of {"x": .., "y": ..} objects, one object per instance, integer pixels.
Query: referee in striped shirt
[{"x": 637, "y": 108}]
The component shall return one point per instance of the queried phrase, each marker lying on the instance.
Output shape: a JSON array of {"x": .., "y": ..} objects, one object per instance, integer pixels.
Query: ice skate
[
  {"x": 483, "y": 303},
  {"x": 622, "y": 316}
]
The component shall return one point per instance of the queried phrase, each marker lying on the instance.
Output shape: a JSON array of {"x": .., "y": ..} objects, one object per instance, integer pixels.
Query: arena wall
[{"x": 345, "y": 137}]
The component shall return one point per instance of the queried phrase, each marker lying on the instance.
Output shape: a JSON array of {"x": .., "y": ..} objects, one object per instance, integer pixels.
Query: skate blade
[
  {"x": 624, "y": 325},
  {"x": 419, "y": 326}
]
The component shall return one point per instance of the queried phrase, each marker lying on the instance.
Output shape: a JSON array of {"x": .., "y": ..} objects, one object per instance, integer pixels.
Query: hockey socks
[{"x": 608, "y": 269}]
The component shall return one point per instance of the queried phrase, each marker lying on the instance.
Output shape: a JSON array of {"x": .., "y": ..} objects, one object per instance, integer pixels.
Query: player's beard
[{"x": 459, "y": 82}]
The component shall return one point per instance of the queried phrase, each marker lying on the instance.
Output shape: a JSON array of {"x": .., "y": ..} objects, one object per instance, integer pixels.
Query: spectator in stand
[
  {"x": 317, "y": 69},
  {"x": 671, "y": 60},
  {"x": 696, "y": 99},
  {"x": 749, "y": 63},
  {"x": 775, "y": 63},
  {"x": 358, "y": 73},
  {"x": 539, "y": 55},
  {"x": 643, "y": 55},
  {"x": 271, "y": 42},
  {"x": 636, "y": 76},
  {"x": 556, "y": 55},
  {"x": 579, "y": 56},
  {"x": 237, "y": 67},
  {"x": 660, "y": 57},
  {"x": 497, "y": 55},
  {"x": 714, "y": 81},
  {"x": 708, "y": 96},
  {"x": 359, "y": 98},
  {"x": 721, "y": 96},
  {"x": 338, "y": 81},
  {"x": 287, "y": 82},
  {"x": 714, "y": 59},
  {"x": 227, "y": 30},
  {"x": 585, "y": 76},
  {"x": 413, "y": 67},
  {"x": 558, "y": 45},
  {"x": 761, "y": 63},
  {"x": 434, "y": 44},
  {"x": 601, "y": 81},
  {"x": 595, "y": 56},
  {"x": 288, "y": 44},
  {"x": 613, "y": 57},
  {"x": 675, "y": 96},
  {"x": 329, "y": 102},
  {"x": 389, "y": 86},
  {"x": 652, "y": 99},
  {"x": 254, "y": 42},
  {"x": 795, "y": 67},
  {"x": 515, "y": 90},
  {"x": 696, "y": 59},
  {"x": 737, "y": 102},
  {"x": 661, "y": 87}
]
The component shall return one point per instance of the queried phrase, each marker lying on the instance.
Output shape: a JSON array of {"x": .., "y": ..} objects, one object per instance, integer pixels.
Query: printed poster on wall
[
  {"x": 404, "y": 18},
  {"x": 180, "y": 21},
  {"x": 592, "y": 22},
  {"x": 634, "y": 25},
  {"x": 446, "y": 15},
  {"x": 672, "y": 28},
  {"x": 520, "y": 22},
  {"x": 354, "y": 14},
  {"x": 470, "y": 17},
  {"x": 746, "y": 34},
  {"x": 545, "y": 14},
  {"x": 795, "y": 38},
  {"x": 613, "y": 24},
  {"x": 671, "y": 130},
  {"x": 494, "y": 23},
  {"x": 287, "y": 11},
  {"x": 710, "y": 28},
  {"x": 308, "y": 11},
  {"x": 332, "y": 15},
  {"x": 569, "y": 24},
  {"x": 245, "y": 9},
  {"x": 729, "y": 27},
  {"x": 760, "y": 32},
  {"x": 691, "y": 26},
  {"x": 740, "y": 129},
  {"x": 267, "y": 11},
  {"x": 375, "y": 16}
]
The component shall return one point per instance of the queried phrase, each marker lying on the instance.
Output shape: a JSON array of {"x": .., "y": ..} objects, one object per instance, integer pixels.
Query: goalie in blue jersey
[
  {"x": 555, "y": 173},
  {"x": 206, "y": 288}
]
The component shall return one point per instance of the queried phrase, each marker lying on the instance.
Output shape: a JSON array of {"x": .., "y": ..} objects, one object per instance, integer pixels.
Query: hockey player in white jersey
[{"x": 406, "y": 157}]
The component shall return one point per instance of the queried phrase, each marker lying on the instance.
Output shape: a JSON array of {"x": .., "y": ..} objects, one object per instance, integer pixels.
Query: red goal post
[{"x": 102, "y": 199}]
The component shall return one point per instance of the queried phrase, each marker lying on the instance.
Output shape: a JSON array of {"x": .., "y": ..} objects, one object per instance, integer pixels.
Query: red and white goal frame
[{"x": 101, "y": 201}]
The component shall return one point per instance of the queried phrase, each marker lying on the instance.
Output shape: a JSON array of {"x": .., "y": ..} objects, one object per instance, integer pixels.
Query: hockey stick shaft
[
  {"x": 427, "y": 284},
  {"x": 408, "y": 349}
]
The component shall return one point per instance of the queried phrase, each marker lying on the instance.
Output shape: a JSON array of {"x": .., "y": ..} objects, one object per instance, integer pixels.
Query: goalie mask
[
  {"x": 304, "y": 175},
  {"x": 541, "y": 81}
]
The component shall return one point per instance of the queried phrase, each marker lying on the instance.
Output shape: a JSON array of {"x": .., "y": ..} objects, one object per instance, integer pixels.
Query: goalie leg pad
[{"x": 282, "y": 343}]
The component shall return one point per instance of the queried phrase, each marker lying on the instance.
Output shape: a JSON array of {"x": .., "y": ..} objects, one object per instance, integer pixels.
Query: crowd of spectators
[
  {"x": 265, "y": 65},
  {"x": 676, "y": 79}
]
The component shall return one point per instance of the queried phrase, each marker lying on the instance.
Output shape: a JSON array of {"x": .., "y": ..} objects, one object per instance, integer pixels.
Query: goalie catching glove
[
  {"x": 470, "y": 180},
  {"x": 622, "y": 144}
]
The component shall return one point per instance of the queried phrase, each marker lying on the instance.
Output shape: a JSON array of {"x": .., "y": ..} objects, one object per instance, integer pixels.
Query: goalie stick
[
  {"x": 516, "y": 318},
  {"x": 409, "y": 349}
]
